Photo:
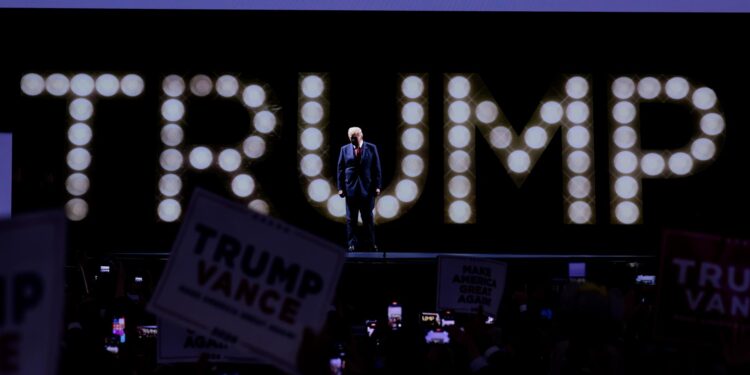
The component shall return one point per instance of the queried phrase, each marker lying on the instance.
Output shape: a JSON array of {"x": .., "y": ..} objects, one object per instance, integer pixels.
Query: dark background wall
[{"x": 520, "y": 56}]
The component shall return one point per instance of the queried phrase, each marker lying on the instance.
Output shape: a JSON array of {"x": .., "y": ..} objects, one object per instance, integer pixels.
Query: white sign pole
[{"x": 6, "y": 174}]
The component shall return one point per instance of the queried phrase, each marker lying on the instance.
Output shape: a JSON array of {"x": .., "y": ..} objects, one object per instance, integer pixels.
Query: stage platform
[{"x": 407, "y": 257}]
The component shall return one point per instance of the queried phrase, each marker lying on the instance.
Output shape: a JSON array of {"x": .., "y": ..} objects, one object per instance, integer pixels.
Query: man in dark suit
[{"x": 358, "y": 180}]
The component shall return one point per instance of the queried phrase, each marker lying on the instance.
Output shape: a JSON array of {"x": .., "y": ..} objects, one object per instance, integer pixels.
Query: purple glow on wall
[{"x": 655, "y": 6}]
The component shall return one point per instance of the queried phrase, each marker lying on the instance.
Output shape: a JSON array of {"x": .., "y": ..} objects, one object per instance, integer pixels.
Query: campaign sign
[
  {"x": 176, "y": 344},
  {"x": 704, "y": 287},
  {"x": 247, "y": 279},
  {"x": 465, "y": 284},
  {"x": 32, "y": 249}
]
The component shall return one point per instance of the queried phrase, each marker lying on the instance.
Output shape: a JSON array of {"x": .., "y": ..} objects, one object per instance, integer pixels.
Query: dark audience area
[{"x": 548, "y": 323}]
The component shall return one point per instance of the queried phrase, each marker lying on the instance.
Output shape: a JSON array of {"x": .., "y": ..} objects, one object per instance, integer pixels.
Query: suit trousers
[{"x": 354, "y": 206}]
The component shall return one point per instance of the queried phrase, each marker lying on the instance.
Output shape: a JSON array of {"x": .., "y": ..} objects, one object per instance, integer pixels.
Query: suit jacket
[{"x": 359, "y": 178}]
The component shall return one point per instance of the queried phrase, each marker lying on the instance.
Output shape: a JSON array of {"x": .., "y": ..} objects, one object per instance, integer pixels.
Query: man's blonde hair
[{"x": 354, "y": 130}]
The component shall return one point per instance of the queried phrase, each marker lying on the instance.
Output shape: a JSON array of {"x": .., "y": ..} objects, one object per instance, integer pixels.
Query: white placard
[
  {"x": 247, "y": 279},
  {"x": 464, "y": 284},
  {"x": 32, "y": 249},
  {"x": 176, "y": 344}
]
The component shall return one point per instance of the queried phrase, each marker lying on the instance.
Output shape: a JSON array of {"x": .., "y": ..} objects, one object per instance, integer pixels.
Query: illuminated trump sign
[{"x": 470, "y": 112}]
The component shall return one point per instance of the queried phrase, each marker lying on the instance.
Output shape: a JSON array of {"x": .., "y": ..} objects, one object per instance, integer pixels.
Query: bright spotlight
[
  {"x": 459, "y": 87},
  {"x": 107, "y": 85},
  {"x": 577, "y": 87},
  {"x": 230, "y": 160},
  {"x": 624, "y": 137},
  {"x": 254, "y": 96},
  {"x": 173, "y": 85},
  {"x": 171, "y": 135},
  {"x": 227, "y": 86},
  {"x": 170, "y": 185},
  {"x": 172, "y": 110},
  {"x": 78, "y": 159},
  {"x": 578, "y": 162},
  {"x": 677, "y": 88},
  {"x": 79, "y": 134},
  {"x": 459, "y": 161},
  {"x": 680, "y": 163},
  {"x": 703, "y": 149},
  {"x": 577, "y": 112},
  {"x": 336, "y": 206},
  {"x": 312, "y": 139},
  {"x": 579, "y": 212},
  {"x": 519, "y": 161},
  {"x": 459, "y": 112},
  {"x": 627, "y": 212},
  {"x": 712, "y": 124},
  {"x": 623, "y": 88},
  {"x": 312, "y": 112},
  {"x": 459, "y": 212},
  {"x": 578, "y": 136},
  {"x": 459, "y": 187},
  {"x": 552, "y": 112},
  {"x": 649, "y": 88},
  {"x": 81, "y": 109},
  {"x": 412, "y": 87},
  {"x": 311, "y": 165},
  {"x": 487, "y": 112},
  {"x": 312, "y": 86},
  {"x": 626, "y": 187},
  {"x": 132, "y": 85},
  {"x": 406, "y": 191},
  {"x": 32, "y": 84},
  {"x": 264, "y": 122},
  {"x": 170, "y": 160},
  {"x": 201, "y": 85},
  {"x": 82, "y": 84},
  {"x": 624, "y": 112},
  {"x": 579, "y": 187},
  {"x": 259, "y": 206},
  {"x": 500, "y": 137},
  {"x": 76, "y": 209},
  {"x": 412, "y": 113},
  {"x": 626, "y": 162},
  {"x": 412, "y": 165},
  {"x": 77, "y": 184},
  {"x": 388, "y": 206},
  {"x": 254, "y": 147},
  {"x": 57, "y": 84},
  {"x": 201, "y": 157},
  {"x": 319, "y": 190},
  {"x": 459, "y": 136},
  {"x": 535, "y": 137},
  {"x": 243, "y": 185},
  {"x": 169, "y": 210},
  {"x": 652, "y": 164},
  {"x": 704, "y": 98},
  {"x": 412, "y": 139}
]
